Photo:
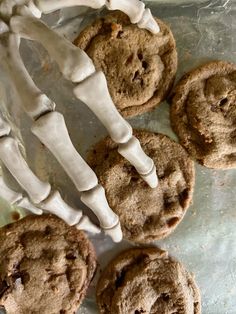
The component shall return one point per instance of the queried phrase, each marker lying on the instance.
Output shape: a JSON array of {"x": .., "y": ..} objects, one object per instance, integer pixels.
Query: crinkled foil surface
[{"x": 206, "y": 239}]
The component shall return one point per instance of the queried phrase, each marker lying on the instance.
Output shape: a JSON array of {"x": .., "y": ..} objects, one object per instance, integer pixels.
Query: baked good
[
  {"x": 140, "y": 67},
  {"x": 203, "y": 114},
  {"x": 147, "y": 280},
  {"x": 146, "y": 214},
  {"x": 45, "y": 266}
]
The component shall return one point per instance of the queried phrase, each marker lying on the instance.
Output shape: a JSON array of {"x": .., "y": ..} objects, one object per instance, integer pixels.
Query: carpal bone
[
  {"x": 109, "y": 221},
  {"x": 52, "y": 132},
  {"x": 48, "y": 6},
  {"x": 94, "y": 93},
  {"x": 7, "y": 8},
  {"x": 73, "y": 62},
  {"x": 15, "y": 163}
]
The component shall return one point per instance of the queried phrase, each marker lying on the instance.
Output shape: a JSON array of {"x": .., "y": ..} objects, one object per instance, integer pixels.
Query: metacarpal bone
[
  {"x": 133, "y": 8},
  {"x": 94, "y": 93},
  {"x": 73, "y": 62},
  {"x": 8, "y": 194},
  {"x": 52, "y": 132},
  {"x": 148, "y": 22},
  {"x": 109, "y": 221},
  {"x": 144, "y": 165},
  {"x": 86, "y": 225},
  {"x": 48, "y": 6},
  {"x": 56, "y": 205},
  {"x": 16, "y": 164},
  {"x": 7, "y": 7},
  {"x": 26, "y": 204},
  {"x": 30, "y": 96}
]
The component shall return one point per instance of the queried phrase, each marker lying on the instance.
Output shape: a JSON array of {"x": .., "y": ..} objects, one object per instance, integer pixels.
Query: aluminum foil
[{"x": 206, "y": 239}]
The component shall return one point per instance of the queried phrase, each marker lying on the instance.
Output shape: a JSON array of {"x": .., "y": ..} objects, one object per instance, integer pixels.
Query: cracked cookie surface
[
  {"x": 139, "y": 67},
  {"x": 146, "y": 214},
  {"x": 147, "y": 280},
  {"x": 45, "y": 266},
  {"x": 203, "y": 114}
]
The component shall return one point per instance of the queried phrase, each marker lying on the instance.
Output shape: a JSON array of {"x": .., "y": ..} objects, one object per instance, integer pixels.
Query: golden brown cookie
[
  {"x": 146, "y": 214},
  {"x": 140, "y": 67},
  {"x": 45, "y": 266},
  {"x": 147, "y": 280},
  {"x": 203, "y": 114}
]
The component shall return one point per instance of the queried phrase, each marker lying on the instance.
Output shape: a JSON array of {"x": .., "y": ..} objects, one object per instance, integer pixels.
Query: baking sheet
[{"x": 206, "y": 239}]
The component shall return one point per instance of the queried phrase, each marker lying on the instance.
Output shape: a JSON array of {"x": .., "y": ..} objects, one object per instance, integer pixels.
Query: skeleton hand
[{"x": 49, "y": 126}]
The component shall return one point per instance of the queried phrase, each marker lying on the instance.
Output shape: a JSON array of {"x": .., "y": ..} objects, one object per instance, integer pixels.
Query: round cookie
[
  {"x": 146, "y": 214},
  {"x": 140, "y": 67},
  {"x": 45, "y": 266},
  {"x": 147, "y": 280},
  {"x": 203, "y": 114}
]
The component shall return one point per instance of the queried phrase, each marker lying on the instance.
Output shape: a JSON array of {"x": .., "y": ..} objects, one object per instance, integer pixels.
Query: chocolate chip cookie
[
  {"x": 147, "y": 280},
  {"x": 140, "y": 67},
  {"x": 45, "y": 266},
  {"x": 146, "y": 214},
  {"x": 203, "y": 114}
]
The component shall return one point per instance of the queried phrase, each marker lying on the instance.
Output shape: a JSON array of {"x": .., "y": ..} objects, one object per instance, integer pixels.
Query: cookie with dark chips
[
  {"x": 203, "y": 114},
  {"x": 45, "y": 266},
  {"x": 139, "y": 66},
  {"x": 146, "y": 214},
  {"x": 147, "y": 280}
]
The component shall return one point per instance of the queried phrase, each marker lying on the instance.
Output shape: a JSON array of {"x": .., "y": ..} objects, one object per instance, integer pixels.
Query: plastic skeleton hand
[{"x": 49, "y": 126}]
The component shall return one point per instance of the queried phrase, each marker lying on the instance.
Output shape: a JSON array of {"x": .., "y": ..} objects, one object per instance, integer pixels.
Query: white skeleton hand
[{"x": 49, "y": 126}]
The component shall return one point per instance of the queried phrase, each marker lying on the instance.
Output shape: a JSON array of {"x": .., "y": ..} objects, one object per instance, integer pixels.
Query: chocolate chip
[
  {"x": 71, "y": 255},
  {"x": 183, "y": 196},
  {"x": 145, "y": 65},
  {"x": 140, "y": 56},
  {"x": 120, "y": 278},
  {"x": 172, "y": 222},
  {"x": 165, "y": 297},
  {"x": 223, "y": 102},
  {"x": 48, "y": 230}
]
